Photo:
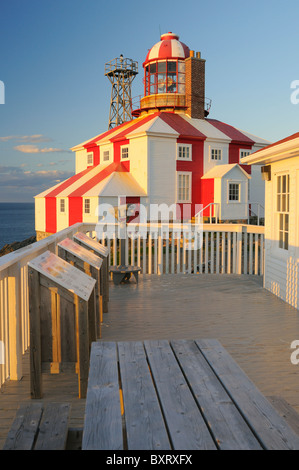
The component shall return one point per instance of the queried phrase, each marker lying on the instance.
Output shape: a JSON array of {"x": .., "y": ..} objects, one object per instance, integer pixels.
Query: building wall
[
  {"x": 161, "y": 178},
  {"x": 40, "y": 214},
  {"x": 81, "y": 160},
  {"x": 138, "y": 157},
  {"x": 281, "y": 266},
  {"x": 62, "y": 217},
  {"x": 231, "y": 210},
  {"x": 208, "y": 145}
]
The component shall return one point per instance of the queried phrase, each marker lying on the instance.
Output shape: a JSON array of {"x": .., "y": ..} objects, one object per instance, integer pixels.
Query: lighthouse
[{"x": 171, "y": 152}]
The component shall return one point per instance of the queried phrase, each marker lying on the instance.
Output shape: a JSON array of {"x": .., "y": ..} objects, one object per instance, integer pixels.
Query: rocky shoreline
[{"x": 9, "y": 247}]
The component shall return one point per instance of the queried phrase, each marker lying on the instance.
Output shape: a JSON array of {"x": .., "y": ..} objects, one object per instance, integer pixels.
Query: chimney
[{"x": 195, "y": 86}]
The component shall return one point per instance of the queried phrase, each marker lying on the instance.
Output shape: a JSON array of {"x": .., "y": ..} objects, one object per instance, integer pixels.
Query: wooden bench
[
  {"x": 181, "y": 394},
  {"x": 36, "y": 427},
  {"x": 124, "y": 273}
]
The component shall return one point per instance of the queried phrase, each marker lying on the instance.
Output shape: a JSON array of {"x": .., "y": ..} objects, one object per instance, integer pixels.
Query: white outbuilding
[{"x": 280, "y": 170}]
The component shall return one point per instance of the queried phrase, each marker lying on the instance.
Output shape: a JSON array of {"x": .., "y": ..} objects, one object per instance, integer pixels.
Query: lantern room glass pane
[
  {"x": 162, "y": 67},
  {"x": 171, "y": 66}
]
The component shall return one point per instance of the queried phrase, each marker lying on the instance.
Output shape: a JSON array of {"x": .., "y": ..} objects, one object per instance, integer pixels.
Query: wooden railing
[{"x": 160, "y": 249}]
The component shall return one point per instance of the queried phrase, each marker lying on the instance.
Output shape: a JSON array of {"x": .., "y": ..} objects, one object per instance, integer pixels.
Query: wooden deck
[
  {"x": 176, "y": 395},
  {"x": 253, "y": 325}
]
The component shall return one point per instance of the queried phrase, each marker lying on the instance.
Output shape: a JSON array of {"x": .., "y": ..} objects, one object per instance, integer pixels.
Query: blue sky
[{"x": 52, "y": 59}]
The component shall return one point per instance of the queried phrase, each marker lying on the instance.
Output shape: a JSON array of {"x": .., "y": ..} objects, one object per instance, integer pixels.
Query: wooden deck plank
[
  {"x": 103, "y": 420},
  {"x": 145, "y": 426},
  {"x": 272, "y": 431},
  {"x": 53, "y": 429},
  {"x": 186, "y": 427},
  {"x": 229, "y": 429},
  {"x": 24, "y": 428}
]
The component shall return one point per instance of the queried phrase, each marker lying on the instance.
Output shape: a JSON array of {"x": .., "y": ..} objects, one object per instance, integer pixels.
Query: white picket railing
[{"x": 217, "y": 248}]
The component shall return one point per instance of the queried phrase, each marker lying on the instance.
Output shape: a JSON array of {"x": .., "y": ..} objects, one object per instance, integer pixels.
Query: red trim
[
  {"x": 75, "y": 210},
  {"x": 291, "y": 137},
  {"x": 51, "y": 219}
]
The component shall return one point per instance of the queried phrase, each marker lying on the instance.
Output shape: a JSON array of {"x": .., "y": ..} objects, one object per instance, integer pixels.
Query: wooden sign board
[
  {"x": 64, "y": 274},
  {"x": 100, "y": 249},
  {"x": 62, "y": 319},
  {"x": 78, "y": 250}
]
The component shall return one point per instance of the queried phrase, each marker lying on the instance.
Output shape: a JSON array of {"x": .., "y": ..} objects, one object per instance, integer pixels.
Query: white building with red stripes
[{"x": 170, "y": 153}]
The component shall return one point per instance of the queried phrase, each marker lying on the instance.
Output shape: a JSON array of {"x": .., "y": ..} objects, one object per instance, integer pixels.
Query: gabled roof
[
  {"x": 221, "y": 170},
  {"x": 280, "y": 150},
  {"x": 101, "y": 180},
  {"x": 175, "y": 125}
]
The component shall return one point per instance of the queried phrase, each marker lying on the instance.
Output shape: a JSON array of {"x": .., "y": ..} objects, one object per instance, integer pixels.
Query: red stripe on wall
[
  {"x": 207, "y": 195},
  {"x": 75, "y": 210},
  {"x": 196, "y": 167},
  {"x": 116, "y": 149},
  {"x": 96, "y": 153},
  {"x": 51, "y": 222}
]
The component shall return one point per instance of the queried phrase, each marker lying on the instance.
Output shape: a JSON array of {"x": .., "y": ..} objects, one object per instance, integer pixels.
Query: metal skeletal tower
[{"x": 121, "y": 73}]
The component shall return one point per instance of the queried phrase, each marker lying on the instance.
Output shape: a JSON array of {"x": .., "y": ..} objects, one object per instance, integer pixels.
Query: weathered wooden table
[{"x": 180, "y": 395}]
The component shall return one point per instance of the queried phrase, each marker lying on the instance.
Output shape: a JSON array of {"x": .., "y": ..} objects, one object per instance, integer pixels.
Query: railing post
[
  {"x": 239, "y": 253},
  {"x": 14, "y": 314}
]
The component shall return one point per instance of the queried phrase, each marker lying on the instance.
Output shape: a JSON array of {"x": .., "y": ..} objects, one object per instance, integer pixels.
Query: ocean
[{"x": 16, "y": 222}]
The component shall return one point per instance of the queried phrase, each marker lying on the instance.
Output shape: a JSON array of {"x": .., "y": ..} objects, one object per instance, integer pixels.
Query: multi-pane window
[
  {"x": 244, "y": 153},
  {"x": 125, "y": 153},
  {"x": 106, "y": 155},
  {"x": 62, "y": 205},
  {"x": 184, "y": 152},
  {"x": 283, "y": 199},
  {"x": 234, "y": 192},
  {"x": 216, "y": 154},
  {"x": 90, "y": 159},
  {"x": 167, "y": 76},
  {"x": 184, "y": 187},
  {"x": 86, "y": 206}
]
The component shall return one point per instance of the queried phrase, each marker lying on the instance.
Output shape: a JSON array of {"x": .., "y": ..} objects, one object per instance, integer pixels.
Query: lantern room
[
  {"x": 164, "y": 66},
  {"x": 174, "y": 79}
]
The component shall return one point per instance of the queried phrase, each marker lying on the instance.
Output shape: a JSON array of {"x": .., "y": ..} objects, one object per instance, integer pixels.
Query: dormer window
[{"x": 90, "y": 159}]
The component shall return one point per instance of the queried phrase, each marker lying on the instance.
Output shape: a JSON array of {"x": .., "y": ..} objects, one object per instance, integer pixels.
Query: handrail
[
  {"x": 159, "y": 248},
  {"x": 216, "y": 216}
]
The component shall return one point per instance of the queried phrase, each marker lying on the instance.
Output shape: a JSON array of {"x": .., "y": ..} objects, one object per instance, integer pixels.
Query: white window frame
[
  {"x": 282, "y": 206},
  {"x": 181, "y": 149},
  {"x": 217, "y": 150},
  {"x": 234, "y": 201},
  {"x": 246, "y": 151},
  {"x": 62, "y": 206},
  {"x": 89, "y": 156},
  {"x": 123, "y": 148},
  {"x": 184, "y": 173},
  {"x": 87, "y": 205}
]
